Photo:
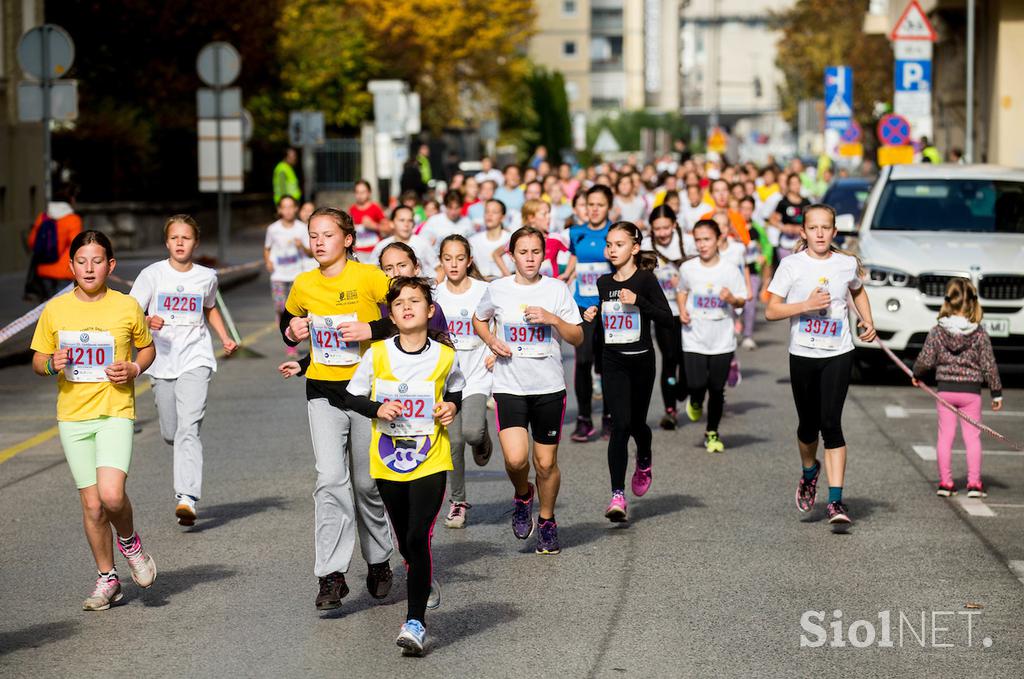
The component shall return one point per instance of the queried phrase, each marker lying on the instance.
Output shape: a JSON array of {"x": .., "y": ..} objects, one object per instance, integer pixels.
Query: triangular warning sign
[
  {"x": 837, "y": 108},
  {"x": 913, "y": 24}
]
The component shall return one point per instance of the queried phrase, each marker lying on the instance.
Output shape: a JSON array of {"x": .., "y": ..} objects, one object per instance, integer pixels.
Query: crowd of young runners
[{"x": 420, "y": 320}]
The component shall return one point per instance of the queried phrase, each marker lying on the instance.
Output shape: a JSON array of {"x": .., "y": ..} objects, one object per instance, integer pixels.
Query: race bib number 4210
[
  {"x": 328, "y": 346},
  {"x": 89, "y": 353}
]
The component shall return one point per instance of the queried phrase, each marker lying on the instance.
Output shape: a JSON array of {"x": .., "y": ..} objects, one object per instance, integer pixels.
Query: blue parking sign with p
[{"x": 914, "y": 76}]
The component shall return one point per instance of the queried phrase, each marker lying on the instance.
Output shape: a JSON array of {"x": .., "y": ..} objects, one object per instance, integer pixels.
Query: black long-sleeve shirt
[{"x": 650, "y": 301}]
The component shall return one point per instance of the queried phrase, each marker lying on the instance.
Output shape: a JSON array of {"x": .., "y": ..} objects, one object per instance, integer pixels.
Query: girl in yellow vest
[
  {"x": 411, "y": 386},
  {"x": 84, "y": 338}
]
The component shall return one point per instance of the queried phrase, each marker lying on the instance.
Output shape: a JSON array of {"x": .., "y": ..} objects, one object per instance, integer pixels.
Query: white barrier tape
[
  {"x": 946, "y": 404},
  {"x": 19, "y": 324}
]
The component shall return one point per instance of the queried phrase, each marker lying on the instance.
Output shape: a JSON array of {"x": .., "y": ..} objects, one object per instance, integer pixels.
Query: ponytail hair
[
  {"x": 343, "y": 221},
  {"x": 961, "y": 300},
  {"x": 802, "y": 244},
  {"x": 665, "y": 212},
  {"x": 645, "y": 261},
  {"x": 400, "y": 283},
  {"x": 88, "y": 238},
  {"x": 472, "y": 271}
]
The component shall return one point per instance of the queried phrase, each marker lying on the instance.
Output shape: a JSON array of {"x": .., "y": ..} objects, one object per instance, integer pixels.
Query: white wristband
[{"x": 138, "y": 370}]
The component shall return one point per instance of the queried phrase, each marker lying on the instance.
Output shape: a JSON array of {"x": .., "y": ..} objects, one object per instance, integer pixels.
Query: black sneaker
[
  {"x": 606, "y": 427},
  {"x": 378, "y": 580},
  {"x": 482, "y": 453},
  {"x": 584, "y": 430},
  {"x": 332, "y": 590},
  {"x": 668, "y": 420}
]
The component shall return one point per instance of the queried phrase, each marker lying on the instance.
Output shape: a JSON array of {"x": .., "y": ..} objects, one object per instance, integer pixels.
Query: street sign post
[
  {"x": 838, "y": 97},
  {"x": 912, "y": 38},
  {"x": 220, "y": 132},
  {"x": 306, "y": 131},
  {"x": 46, "y": 53},
  {"x": 894, "y": 136}
]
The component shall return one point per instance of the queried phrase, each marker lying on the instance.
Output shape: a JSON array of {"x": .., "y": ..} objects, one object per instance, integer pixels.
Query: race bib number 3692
[{"x": 417, "y": 401}]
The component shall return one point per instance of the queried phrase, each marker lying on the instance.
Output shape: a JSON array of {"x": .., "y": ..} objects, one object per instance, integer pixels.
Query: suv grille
[
  {"x": 1001, "y": 287},
  {"x": 933, "y": 284}
]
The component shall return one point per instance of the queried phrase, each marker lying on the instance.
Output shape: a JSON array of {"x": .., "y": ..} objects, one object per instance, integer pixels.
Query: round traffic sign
[
  {"x": 46, "y": 52},
  {"x": 893, "y": 130},
  {"x": 852, "y": 133},
  {"x": 218, "y": 64}
]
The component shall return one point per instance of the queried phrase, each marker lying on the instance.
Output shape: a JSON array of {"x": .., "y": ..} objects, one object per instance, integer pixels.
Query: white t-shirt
[
  {"x": 631, "y": 211},
  {"x": 504, "y": 301},
  {"x": 483, "y": 252},
  {"x": 470, "y": 351},
  {"x": 693, "y": 214},
  {"x": 421, "y": 246},
  {"x": 735, "y": 253},
  {"x": 162, "y": 291},
  {"x": 437, "y": 227},
  {"x": 796, "y": 278},
  {"x": 710, "y": 330},
  {"x": 288, "y": 260}
]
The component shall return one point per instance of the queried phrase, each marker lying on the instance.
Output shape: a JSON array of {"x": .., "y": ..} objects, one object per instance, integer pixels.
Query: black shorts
[{"x": 541, "y": 413}]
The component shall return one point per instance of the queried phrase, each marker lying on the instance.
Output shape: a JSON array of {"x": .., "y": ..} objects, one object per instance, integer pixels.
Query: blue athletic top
[{"x": 588, "y": 245}]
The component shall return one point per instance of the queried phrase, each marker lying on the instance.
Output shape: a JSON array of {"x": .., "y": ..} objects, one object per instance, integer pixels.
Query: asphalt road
[{"x": 711, "y": 577}]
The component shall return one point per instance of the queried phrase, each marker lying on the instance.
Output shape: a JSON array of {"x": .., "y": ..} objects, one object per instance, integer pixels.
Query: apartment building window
[
  {"x": 569, "y": 48},
  {"x": 569, "y": 8}
]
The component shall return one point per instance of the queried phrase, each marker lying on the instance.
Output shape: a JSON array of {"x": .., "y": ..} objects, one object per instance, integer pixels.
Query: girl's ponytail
[{"x": 645, "y": 261}]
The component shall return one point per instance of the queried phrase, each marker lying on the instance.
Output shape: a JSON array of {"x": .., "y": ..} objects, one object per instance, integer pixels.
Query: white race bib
[
  {"x": 179, "y": 307},
  {"x": 587, "y": 274},
  {"x": 621, "y": 322},
  {"x": 89, "y": 353},
  {"x": 668, "y": 278},
  {"x": 820, "y": 332},
  {"x": 366, "y": 238},
  {"x": 708, "y": 305},
  {"x": 461, "y": 330},
  {"x": 325, "y": 338},
  {"x": 417, "y": 399},
  {"x": 528, "y": 340}
]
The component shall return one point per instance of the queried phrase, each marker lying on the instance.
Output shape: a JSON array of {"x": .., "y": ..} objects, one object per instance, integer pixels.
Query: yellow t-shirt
[
  {"x": 358, "y": 289},
  {"x": 115, "y": 313}
]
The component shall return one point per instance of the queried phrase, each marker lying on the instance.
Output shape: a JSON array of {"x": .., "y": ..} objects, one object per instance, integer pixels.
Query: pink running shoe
[
  {"x": 616, "y": 512},
  {"x": 641, "y": 480},
  {"x": 141, "y": 564},
  {"x": 106, "y": 592}
]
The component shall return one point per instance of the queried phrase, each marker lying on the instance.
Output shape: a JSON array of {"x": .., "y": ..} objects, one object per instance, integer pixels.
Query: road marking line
[
  {"x": 895, "y": 412},
  {"x": 928, "y": 452},
  {"x": 925, "y": 452},
  {"x": 1010, "y": 506},
  {"x": 1017, "y": 568},
  {"x": 44, "y": 436},
  {"x": 974, "y": 506}
]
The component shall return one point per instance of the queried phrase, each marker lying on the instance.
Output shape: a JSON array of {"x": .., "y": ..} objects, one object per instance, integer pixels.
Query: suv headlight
[{"x": 879, "y": 276}]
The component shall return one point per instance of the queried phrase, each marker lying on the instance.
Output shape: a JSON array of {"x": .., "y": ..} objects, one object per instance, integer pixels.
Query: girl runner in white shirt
[
  {"x": 810, "y": 288},
  {"x": 709, "y": 289},
  {"x": 285, "y": 254},
  {"x": 458, "y": 296},
  {"x": 531, "y": 313},
  {"x": 179, "y": 298}
]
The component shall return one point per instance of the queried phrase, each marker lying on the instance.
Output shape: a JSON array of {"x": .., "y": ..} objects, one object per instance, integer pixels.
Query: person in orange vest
[
  {"x": 720, "y": 194},
  {"x": 50, "y": 243}
]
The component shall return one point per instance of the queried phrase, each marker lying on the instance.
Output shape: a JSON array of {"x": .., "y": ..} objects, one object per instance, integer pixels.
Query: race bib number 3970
[{"x": 528, "y": 339}]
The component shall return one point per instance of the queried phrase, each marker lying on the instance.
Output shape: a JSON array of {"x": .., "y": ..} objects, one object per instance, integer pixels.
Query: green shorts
[{"x": 102, "y": 442}]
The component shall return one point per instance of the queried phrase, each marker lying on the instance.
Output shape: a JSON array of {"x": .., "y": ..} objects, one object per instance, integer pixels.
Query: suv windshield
[{"x": 975, "y": 205}]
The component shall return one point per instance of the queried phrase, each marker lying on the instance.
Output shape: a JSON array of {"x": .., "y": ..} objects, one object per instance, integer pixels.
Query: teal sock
[
  {"x": 809, "y": 472},
  {"x": 835, "y": 494}
]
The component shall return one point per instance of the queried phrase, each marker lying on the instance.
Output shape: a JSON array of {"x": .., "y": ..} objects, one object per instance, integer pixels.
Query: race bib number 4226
[{"x": 180, "y": 308}]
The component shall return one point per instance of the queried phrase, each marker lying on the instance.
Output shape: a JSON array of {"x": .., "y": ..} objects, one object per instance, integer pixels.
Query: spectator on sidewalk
[
  {"x": 50, "y": 242},
  {"x": 286, "y": 183}
]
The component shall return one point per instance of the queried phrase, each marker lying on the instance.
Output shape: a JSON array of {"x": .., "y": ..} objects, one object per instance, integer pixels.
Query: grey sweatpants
[
  {"x": 181, "y": 406},
  {"x": 346, "y": 499},
  {"x": 469, "y": 426}
]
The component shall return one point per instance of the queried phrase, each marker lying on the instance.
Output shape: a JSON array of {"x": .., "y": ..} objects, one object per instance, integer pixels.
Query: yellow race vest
[{"x": 414, "y": 445}]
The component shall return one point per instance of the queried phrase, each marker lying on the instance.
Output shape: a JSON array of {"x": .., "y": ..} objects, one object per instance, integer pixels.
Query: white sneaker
[
  {"x": 748, "y": 343},
  {"x": 106, "y": 592},
  {"x": 456, "y": 515},
  {"x": 434, "y": 599},
  {"x": 141, "y": 564},
  {"x": 186, "y": 510}
]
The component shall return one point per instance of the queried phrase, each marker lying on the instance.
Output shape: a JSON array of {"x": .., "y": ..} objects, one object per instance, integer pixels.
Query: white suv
[{"x": 924, "y": 224}]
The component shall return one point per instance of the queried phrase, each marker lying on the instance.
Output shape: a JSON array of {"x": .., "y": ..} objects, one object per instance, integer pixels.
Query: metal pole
[
  {"x": 969, "y": 133},
  {"x": 717, "y": 42},
  {"x": 46, "y": 85},
  {"x": 222, "y": 227}
]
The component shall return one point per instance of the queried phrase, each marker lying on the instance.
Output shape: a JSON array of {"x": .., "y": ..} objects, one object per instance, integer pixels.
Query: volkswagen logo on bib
[
  {"x": 617, "y": 307},
  {"x": 329, "y": 322},
  {"x": 403, "y": 388},
  {"x": 84, "y": 337},
  {"x": 464, "y": 312},
  {"x": 181, "y": 288}
]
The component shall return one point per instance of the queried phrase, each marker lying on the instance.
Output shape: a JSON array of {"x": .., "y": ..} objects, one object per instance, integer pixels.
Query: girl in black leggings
[
  {"x": 709, "y": 289},
  {"x": 630, "y": 299}
]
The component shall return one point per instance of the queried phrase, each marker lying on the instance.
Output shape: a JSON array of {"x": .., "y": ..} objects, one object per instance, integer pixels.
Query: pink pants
[{"x": 971, "y": 405}]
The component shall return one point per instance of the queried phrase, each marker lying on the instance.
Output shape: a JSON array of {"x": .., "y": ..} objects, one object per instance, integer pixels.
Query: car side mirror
[{"x": 846, "y": 224}]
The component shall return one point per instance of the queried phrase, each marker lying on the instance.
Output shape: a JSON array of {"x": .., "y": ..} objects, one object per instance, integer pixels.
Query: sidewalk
[{"x": 246, "y": 246}]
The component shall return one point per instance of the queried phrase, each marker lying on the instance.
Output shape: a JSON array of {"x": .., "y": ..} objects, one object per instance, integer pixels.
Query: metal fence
[{"x": 338, "y": 164}]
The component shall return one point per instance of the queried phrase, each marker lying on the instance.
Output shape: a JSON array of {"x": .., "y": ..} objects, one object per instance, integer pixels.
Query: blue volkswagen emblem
[
  {"x": 464, "y": 312},
  {"x": 181, "y": 288},
  {"x": 84, "y": 337},
  {"x": 329, "y": 322},
  {"x": 403, "y": 388}
]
